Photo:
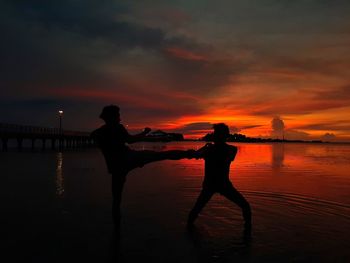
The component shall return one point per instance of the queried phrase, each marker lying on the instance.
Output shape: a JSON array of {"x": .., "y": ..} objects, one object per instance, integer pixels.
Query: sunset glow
[{"x": 180, "y": 67}]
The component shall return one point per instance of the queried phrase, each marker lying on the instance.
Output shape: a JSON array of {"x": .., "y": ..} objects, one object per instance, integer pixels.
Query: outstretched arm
[{"x": 200, "y": 153}]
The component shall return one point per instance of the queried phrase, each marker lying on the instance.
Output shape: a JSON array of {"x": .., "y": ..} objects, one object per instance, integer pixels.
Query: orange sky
[{"x": 181, "y": 66}]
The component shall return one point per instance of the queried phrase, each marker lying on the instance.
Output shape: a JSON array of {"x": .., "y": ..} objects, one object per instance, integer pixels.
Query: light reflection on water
[
  {"x": 315, "y": 170},
  {"x": 299, "y": 195},
  {"x": 59, "y": 176},
  {"x": 277, "y": 155}
]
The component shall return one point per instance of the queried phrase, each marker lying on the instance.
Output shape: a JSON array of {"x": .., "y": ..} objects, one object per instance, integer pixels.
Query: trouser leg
[
  {"x": 173, "y": 155},
  {"x": 233, "y": 195},
  {"x": 202, "y": 200},
  {"x": 118, "y": 182},
  {"x": 153, "y": 156}
]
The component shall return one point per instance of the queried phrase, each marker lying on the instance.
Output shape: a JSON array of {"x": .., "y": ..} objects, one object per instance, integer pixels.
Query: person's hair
[
  {"x": 109, "y": 112},
  {"x": 221, "y": 130}
]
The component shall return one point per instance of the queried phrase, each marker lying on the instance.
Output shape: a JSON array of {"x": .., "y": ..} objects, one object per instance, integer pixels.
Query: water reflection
[
  {"x": 277, "y": 156},
  {"x": 59, "y": 176},
  {"x": 208, "y": 248}
]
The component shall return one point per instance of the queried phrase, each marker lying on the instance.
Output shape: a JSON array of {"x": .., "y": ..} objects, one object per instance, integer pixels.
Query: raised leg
[
  {"x": 153, "y": 156},
  {"x": 175, "y": 154},
  {"x": 140, "y": 158}
]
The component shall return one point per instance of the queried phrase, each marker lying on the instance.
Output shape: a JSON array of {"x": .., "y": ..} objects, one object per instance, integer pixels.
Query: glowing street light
[
  {"x": 60, "y": 140},
  {"x": 60, "y": 114}
]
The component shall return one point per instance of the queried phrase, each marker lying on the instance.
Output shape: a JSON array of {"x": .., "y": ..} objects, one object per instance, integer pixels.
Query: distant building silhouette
[{"x": 160, "y": 135}]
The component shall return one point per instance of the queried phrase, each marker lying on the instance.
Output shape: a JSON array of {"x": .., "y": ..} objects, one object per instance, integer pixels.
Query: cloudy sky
[{"x": 261, "y": 66}]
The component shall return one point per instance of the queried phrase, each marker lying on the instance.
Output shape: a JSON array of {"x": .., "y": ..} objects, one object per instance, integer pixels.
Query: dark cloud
[
  {"x": 208, "y": 127},
  {"x": 37, "y": 55},
  {"x": 53, "y": 44},
  {"x": 131, "y": 57},
  {"x": 134, "y": 114},
  {"x": 277, "y": 125},
  {"x": 86, "y": 18},
  {"x": 328, "y": 137},
  {"x": 204, "y": 76},
  {"x": 331, "y": 126},
  {"x": 44, "y": 112},
  {"x": 341, "y": 94},
  {"x": 69, "y": 43},
  {"x": 250, "y": 127},
  {"x": 306, "y": 101},
  {"x": 335, "y": 65},
  {"x": 234, "y": 129},
  {"x": 195, "y": 127}
]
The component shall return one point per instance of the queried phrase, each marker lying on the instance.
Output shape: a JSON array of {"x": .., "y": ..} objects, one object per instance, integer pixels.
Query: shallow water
[{"x": 56, "y": 207}]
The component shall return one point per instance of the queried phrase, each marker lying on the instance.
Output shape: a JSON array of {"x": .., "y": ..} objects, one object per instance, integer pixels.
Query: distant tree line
[
  {"x": 237, "y": 137},
  {"x": 162, "y": 136}
]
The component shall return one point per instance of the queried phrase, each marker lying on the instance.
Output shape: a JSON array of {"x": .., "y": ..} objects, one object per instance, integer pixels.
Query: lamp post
[{"x": 60, "y": 114}]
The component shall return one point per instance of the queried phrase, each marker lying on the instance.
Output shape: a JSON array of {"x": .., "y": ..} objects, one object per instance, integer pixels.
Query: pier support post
[
  {"x": 60, "y": 143},
  {"x": 53, "y": 141}
]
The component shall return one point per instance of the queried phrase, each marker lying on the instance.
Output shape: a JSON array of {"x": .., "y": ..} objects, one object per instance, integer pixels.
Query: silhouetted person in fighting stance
[
  {"x": 120, "y": 159},
  {"x": 218, "y": 157}
]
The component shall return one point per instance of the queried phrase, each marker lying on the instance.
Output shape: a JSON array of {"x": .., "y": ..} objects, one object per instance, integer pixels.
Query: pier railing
[{"x": 58, "y": 138}]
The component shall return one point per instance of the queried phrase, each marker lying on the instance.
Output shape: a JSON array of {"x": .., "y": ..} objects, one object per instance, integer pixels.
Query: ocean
[{"x": 56, "y": 207}]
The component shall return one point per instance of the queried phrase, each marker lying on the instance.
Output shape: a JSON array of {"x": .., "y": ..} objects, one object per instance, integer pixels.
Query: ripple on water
[
  {"x": 298, "y": 203},
  {"x": 294, "y": 223},
  {"x": 285, "y": 226}
]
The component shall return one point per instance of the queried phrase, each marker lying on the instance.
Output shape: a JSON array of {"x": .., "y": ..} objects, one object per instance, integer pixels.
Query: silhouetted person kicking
[
  {"x": 218, "y": 157},
  {"x": 120, "y": 159}
]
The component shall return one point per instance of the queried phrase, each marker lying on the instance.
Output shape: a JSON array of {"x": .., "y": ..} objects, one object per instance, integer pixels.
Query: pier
[{"x": 43, "y": 137}]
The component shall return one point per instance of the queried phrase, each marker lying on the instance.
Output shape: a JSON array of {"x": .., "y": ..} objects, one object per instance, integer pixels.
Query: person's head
[
  {"x": 221, "y": 132},
  {"x": 110, "y": 113}
]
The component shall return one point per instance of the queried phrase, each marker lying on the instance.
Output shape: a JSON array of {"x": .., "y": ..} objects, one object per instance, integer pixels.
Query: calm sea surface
[{"x": 56, "y": 207}]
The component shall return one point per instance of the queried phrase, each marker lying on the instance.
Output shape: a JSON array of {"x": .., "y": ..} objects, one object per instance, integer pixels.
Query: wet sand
[{"x": 56, "y": 207}]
